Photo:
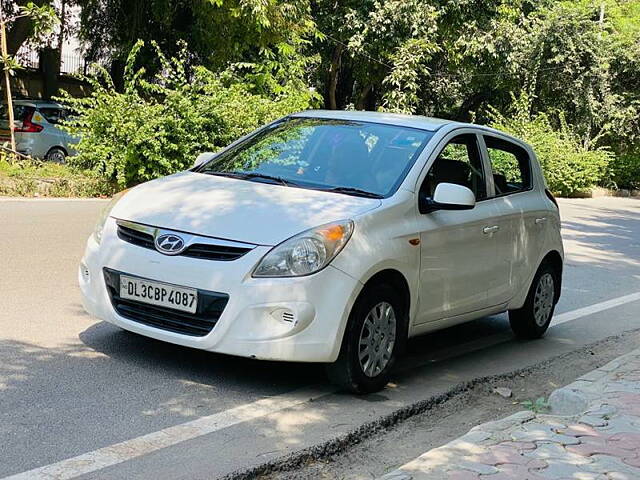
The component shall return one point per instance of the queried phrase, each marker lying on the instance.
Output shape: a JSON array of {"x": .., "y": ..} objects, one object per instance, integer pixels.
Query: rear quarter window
[
  {"x": 510, "y": 165},
  {"x": 52, "y": 115}
]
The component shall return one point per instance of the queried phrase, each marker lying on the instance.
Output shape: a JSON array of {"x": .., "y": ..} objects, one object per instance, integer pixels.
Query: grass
[
  {"x": 33, "y": 178},
  {"x": 539, "y": 405}
]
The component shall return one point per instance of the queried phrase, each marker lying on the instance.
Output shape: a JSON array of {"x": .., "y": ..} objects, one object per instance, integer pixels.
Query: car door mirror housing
[
  {"x": 448, "y": 196},
  {"x": 203, "y": 158}
]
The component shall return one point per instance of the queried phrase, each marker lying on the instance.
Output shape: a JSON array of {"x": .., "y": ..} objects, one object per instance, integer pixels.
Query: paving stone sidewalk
[{"x": 592, "y": 432}]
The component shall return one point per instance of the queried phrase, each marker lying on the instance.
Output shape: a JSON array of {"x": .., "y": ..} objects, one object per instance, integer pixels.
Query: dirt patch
[{"x": 378, "y": 448}]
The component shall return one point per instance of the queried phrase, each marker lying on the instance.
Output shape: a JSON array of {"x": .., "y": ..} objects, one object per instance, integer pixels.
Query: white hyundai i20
[{"x": 332, "y": 237}]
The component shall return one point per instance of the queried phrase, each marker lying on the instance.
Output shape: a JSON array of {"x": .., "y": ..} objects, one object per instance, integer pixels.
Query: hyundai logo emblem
[{"x": 169, "y": 244}]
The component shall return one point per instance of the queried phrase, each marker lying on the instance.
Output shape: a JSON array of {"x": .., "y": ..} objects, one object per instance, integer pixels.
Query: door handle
[
  {"x": 488, "y": 230},
  {"x": 541, "y": 220}
]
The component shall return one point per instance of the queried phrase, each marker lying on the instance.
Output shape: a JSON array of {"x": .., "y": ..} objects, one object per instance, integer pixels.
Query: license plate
[{"x": 158, "y": 293}]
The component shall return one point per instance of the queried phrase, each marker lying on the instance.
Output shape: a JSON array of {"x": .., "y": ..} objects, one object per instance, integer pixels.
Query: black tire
[
  {"x": 526, "y": 322},
  {"x": 347, "y": 371},
  {"x": 56, "y": 155}
]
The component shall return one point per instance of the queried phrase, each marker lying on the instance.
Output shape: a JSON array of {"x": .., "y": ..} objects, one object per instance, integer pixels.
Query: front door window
[{"x": 460, "y": 163}]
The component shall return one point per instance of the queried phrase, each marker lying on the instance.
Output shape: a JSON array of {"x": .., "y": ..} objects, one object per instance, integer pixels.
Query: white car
[
  {"x": 37, "y": 130},
  {"x": 332, "y": 237}
]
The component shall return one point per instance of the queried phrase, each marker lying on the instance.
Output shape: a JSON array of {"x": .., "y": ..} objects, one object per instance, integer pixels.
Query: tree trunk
[
  {"x": 50, "y": 69},
  {"x": 361, "y": 104},
  {"x": 472, "y": 103},
  {"x": 5, "y": 56},
  {"x": 334, "y": 70},
  {"x": 117, "y": 73},
  {"x": 63, "y": 24}
]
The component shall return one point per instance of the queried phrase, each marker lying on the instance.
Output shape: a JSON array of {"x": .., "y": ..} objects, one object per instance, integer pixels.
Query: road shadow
[
  {"x": 603, "y": 237},
  {"x": 199, "y": 366}
]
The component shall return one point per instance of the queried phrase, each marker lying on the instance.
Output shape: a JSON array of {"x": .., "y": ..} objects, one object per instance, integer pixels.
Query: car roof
[
  {"x": 431, "y": 124},
  {"x": 415, "y": 121},
  {"x": 37, "y": 103}
]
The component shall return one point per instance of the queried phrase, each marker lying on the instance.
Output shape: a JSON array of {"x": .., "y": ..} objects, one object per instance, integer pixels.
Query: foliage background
[{"x": 564, "y": 75}]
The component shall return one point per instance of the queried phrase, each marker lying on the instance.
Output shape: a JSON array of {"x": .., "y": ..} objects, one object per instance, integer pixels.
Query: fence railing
[{"x": 69, "y": 63}]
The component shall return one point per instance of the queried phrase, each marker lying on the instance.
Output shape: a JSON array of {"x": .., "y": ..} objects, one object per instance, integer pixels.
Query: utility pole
[{"x": 5, "y": 60}]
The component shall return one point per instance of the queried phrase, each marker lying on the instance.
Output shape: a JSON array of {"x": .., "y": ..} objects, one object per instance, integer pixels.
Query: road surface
[{"x": 80, "y": 398}]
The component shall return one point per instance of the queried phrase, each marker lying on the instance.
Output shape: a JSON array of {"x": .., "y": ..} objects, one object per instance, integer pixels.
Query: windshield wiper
[
  {"x": 289, "y": 183},
  {"x": 353, "y": 191},
  {"x": 250, "y": 175}
]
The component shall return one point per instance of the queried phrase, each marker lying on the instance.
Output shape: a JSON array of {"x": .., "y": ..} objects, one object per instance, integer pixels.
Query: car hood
[{"x": 233, "y": 209}]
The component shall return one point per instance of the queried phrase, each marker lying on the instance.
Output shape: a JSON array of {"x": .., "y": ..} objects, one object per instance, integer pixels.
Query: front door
[{"x": 458, "y": 248}]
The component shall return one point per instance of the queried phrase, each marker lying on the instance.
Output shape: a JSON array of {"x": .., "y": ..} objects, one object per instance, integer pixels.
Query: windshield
[{"x": 356, "y": 158}]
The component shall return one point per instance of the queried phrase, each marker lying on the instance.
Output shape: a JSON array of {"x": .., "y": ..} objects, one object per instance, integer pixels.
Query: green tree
[
  {"x": 217, "y": 32},
  {"x": 568, "y": 165}
]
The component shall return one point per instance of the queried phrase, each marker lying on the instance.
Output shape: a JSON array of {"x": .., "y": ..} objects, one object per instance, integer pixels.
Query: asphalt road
[{"x": 72, "y": 386}]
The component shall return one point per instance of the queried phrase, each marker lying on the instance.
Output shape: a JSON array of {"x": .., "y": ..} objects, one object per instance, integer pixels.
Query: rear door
[
  {"x": 458, "y": 248},
  {"x": 51, "y": 118},
  {"x": 520, "y": 208}
]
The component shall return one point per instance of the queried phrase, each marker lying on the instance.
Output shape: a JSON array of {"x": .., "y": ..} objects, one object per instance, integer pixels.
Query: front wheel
[
  {"x": 532, "y": 320},
  {"x": 370, "y": 343}
]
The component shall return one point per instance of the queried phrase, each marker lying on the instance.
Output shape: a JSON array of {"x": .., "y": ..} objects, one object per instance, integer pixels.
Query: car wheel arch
[
  {"x": 59, "y": 147},
  {"x": 554, "y": 259},
  {"x": 399, "y": 283}
]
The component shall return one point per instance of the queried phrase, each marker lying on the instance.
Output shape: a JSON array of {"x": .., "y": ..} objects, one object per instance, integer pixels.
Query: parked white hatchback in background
[
  {"x": 37, "y": 130},
  {"x": 332, "y": 237}
]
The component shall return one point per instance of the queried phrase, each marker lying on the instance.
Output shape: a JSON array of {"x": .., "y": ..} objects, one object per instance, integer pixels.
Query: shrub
[
  {"x": 158, "y": 126},
  {"x": 568, "y": 166},
  {"x": 625, "y": 171}
]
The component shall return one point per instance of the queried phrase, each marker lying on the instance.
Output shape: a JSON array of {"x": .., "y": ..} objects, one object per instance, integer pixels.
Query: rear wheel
[
  {"x": 532, "y": 320},
  {"x": 56, "y": 155},
  {"x": 370, "y": 343}
]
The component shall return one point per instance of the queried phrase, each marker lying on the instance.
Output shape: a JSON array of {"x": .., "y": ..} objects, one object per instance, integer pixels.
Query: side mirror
[
  {"x": 202, "y": 158},
  {"x": 448, "y": 196}
]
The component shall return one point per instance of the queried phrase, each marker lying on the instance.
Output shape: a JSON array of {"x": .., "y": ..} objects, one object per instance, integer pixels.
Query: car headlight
[
  {"x": 307, "y": 252},
  {"x": 104, "y": 215}
]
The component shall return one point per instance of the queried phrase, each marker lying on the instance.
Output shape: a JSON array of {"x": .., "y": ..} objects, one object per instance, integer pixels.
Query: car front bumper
[{"x": 252, "y": 323}]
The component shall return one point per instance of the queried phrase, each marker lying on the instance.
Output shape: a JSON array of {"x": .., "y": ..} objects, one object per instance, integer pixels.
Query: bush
[
  {"x": 625, "y": 171},
  {"x": 568, "y": 167},
  {"x": 158, "y": 126}
]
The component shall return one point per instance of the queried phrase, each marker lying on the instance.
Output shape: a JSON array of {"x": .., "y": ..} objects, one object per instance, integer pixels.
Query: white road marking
[
  {"x": 140, "y": 446},
  {"x": 595, "y": 308},
  {"x": 137, "y": 447}
]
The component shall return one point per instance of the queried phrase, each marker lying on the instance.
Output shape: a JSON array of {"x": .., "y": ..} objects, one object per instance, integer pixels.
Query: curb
[{"x": 592, "y": 431}]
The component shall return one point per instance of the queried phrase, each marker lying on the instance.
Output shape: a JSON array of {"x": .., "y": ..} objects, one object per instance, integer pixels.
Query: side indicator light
[{"x": 414, "y": 241}]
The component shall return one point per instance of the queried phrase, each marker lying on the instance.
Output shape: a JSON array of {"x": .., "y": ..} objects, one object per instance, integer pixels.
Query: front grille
[
  {"x": 197, "y": 250},
  {"x": 210, "y": 307},
  {"x": 214, "y": 252},
  {"x": 136, "y": 237}
]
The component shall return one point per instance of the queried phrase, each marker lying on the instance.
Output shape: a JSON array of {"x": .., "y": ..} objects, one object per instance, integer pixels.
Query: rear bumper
[{"x": 252, "y": 323}]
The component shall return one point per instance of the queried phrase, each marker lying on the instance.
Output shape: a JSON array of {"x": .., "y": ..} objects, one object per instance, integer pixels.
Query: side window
[
  {"x": 460, "y": 163},
  {"x": 510, "y": 165},
  {"x": 53, "y": 115}
]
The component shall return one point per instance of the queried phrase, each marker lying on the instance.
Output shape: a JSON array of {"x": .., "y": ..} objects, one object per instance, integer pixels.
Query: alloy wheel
[
  {"x": 377, "y": 339},
  {"x": 543, "y": 300}
]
